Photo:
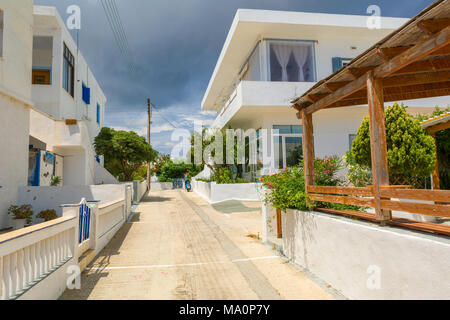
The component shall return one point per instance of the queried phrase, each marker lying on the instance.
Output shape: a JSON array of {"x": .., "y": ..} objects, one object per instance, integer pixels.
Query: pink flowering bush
[{"x": 326, "y": 170}]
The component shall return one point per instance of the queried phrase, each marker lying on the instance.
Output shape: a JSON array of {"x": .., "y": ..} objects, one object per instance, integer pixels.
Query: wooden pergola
[{"x": 412, "y": 62}]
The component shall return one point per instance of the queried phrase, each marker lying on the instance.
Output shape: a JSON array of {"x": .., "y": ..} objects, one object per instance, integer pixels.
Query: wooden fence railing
[{"x": 395, "y": 198}]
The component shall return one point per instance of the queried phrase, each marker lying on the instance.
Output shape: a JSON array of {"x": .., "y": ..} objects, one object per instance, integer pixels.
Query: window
[
  {"x": 289, "y": 144},
  {"x": 252, "y": 69},
  {"x": 42, "y": 60},
  {"x": 340, "y": 62},
  {"x": 351, "y": 138},
  {"x": 289, "y": 129},
  {"x": 98, "y": 113},
  {"x": 42, "y": 77},
  {"x": 1, "y": 32},
  {"x": 68, "y": 71},
  {"x": 86, "y": 94},
  {"x": 291, "y": 61}
]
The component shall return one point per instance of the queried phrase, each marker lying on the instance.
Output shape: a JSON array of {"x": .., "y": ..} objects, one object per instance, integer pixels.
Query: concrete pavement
[{"x": 177, "y": 246}]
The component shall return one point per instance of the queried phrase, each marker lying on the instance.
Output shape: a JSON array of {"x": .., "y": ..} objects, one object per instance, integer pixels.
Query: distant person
[{"x": 187, "y": 183}]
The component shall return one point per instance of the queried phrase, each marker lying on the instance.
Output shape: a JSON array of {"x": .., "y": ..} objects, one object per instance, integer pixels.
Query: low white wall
[
  {"x": 269, "y": 223},
  {"x": 365, "y": 261},
  {"x": 213, "y": 192},
  {"x": 142, "y": 189},
  {"x": 159, "y": 186},
  {"x": 43, "y": 198},
  {"x": 35, "y": 259},
  {"x": 109, "y": 219},
  {"x": 102, "y": 176}
]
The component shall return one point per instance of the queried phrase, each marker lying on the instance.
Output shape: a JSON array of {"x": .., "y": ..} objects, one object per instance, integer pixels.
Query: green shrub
[
  {"x": 286, "y": 190},
  {"x": 47, "y": 215},
  {"x": 22, "y": 212},
  {"x": 411, "y": 151},
  {"x": 357, "y": 175}
]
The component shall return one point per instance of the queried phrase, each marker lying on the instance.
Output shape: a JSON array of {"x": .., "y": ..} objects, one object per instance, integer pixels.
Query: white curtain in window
[
  {"x": 283, "y": 53},
  {"x": 301, "y": 57}
]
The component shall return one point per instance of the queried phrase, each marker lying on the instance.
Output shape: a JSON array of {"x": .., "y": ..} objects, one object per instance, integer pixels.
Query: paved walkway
[{"x": 177, "y": 246}]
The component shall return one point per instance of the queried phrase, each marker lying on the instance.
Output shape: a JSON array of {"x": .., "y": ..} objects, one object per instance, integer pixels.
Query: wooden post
[
  {"x": 308, "y": 149},
  {"x": 378, "y": 143},
  {"x": 436, "y": 182},
  {"x": 279, "y": 225}
]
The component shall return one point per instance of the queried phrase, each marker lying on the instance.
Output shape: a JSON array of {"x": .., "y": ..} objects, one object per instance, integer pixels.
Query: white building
[
  {"x": 16, "y": 44},
  {"x": 69, "y": 106},
  {"x": 271, "y": 57},
  {"x": 47, "y": 124}
]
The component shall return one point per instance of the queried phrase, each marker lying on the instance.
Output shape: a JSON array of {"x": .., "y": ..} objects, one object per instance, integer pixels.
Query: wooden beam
[
  {"x": 414, "y": 79},
  {"x": 435, "y": 210},
  {"x": 438, "y": 127},
  {"x": 388, "y": 53},
  {"x": 333, "y": 86},
  {"x": 308, "y": 148},
  {"x": 316, "y": 96},
  {"x": 432, "y": 65},
  {"x": 378, "y": 144},
  {"x": 355, "y": 201},
  {"x": 431, "y": 26},
  {"x": 417, "y": 194},
  {"x": 435, "y": 175},
  {"x": 279, "y": 225},
  {"x": 419, "y": 51},
  {"x": 366, "y": 192}
]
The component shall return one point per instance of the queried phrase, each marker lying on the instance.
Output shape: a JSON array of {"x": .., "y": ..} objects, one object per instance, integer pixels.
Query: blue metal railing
[{"x": 84, "y": 222}]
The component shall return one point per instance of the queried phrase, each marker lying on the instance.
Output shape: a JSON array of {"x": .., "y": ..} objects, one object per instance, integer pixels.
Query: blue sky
[{"x": 175, "y": 46}]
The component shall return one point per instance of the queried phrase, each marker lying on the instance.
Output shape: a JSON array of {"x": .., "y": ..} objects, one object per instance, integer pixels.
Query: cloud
[{"x": 175, "y": 51}]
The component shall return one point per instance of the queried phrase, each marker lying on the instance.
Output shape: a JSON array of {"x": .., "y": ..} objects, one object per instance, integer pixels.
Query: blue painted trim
[{"x": 37, "y": 170}]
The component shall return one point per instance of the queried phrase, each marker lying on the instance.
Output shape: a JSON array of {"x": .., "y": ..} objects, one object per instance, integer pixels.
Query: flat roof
[{"x": 251, "y": 25}]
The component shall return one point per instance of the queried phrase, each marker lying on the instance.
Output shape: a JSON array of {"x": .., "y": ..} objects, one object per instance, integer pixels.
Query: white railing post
[
  {"x": 73, "y": 211},
  {"x": 94, "y": 222}
]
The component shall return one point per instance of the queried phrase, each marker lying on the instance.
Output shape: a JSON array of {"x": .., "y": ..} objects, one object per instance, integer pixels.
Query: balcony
[{"x": 266, "y": 94}]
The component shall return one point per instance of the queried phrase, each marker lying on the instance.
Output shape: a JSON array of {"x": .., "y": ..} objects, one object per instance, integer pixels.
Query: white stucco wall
[
  {"x": 72, "y": 142},
  {"x": 53, "y": 99},
  {"x": 15, "y": 97},
  {"x": 352, "y": 256},
  {"x": 43, "y": 198},
  {"x": 214, "y": 193}
]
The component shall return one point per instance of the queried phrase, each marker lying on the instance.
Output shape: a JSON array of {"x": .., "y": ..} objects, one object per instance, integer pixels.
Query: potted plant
[
  {"x": 21, "y": 215},
  {"x": 55, "y": 181},
  {"x": 47, "y": 215}
]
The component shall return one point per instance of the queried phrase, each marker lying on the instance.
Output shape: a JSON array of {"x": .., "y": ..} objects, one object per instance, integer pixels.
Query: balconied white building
[
  {"x": 69, "y": 106},
  {"x": 271, "y": 57},
  {"x": 51, "y": 106}
]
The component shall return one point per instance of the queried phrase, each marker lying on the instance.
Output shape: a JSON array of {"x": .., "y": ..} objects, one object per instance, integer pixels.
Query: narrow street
[{"x": 177, "y": 246}]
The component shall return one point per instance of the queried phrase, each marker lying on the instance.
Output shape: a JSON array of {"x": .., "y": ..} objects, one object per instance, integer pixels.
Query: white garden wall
[
  {"x": 159, "y": 186},
  {"x": 213, "y": 192},
  {"x": 43, "y": 198},
  {"x": 365, "y": 261}
]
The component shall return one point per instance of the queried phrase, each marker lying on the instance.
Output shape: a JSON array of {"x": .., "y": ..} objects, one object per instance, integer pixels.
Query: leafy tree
[
  {"x": 207, "y": 138},
  {"x": 443, "y": 148},
  {"x": 411, "y": 151},
  {"x": 124, "y": 151}
]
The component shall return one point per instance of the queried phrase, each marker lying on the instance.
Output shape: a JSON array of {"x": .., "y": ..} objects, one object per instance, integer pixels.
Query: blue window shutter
[
  {"x": 86, "y": 92},
  {"x": 98, "y": 113},
  {"x": 337, "y": 63}
]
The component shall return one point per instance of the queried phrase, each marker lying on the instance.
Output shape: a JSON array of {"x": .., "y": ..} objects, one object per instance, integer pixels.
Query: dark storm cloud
[{"x": 175, "y": 45}]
